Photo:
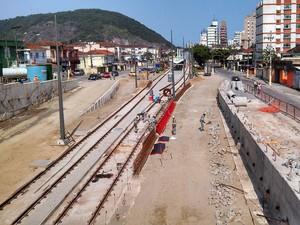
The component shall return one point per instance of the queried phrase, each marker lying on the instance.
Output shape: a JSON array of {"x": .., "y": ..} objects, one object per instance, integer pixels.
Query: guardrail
[
  {"x": 108, "y": 95},
  {"x": 284, "y": 107}
]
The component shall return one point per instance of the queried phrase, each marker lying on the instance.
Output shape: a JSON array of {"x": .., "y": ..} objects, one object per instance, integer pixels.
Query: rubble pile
[{"x": 222, "y": 194}]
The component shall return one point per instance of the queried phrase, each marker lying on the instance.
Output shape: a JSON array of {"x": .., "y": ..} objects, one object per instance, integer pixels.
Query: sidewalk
[
  {"x": 278, "y": 91},
  {"x": 275, "y": 86}
]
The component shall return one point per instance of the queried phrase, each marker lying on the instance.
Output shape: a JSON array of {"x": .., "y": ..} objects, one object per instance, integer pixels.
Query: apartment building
[
  {"x": 277, "y": 26},
  {"x": 237, "y": 39},
  {"x": 203, "y": 38},
  {"x": 249, "y": 34},
  {"x": 223, "y": 34},
  {"x": 213, "y": 34}
]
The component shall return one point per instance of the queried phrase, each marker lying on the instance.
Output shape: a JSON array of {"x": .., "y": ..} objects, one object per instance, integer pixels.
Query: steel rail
[
  {"x": 22, "y": 189},
  {"x": 88, "y": 182},
  {"x": 69, "y": 170},
  {"x": 110, "y": 189}
]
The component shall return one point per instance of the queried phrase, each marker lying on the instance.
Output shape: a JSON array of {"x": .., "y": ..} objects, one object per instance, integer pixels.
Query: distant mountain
[{"x": 81, "y": 25}]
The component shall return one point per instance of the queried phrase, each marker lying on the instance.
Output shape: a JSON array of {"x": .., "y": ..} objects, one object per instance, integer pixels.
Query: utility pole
[
  {"x": 147, "y": 57},
  {"x": 62, "y": 140},
  {"x": 191, "y": 60},
  {"x": 271, "y": 48},
  {"x": 248, "y": 58},
  {"x": 6, "y": 53},
  {"x": 172, "y": 67},
  {"x": 15, "y": 28},
  {"x": 183, "y": 66},
  {"x": 135, "y": 67},
  {"x": 92, "y": 66},
  {"x": 17, "y": 56}
]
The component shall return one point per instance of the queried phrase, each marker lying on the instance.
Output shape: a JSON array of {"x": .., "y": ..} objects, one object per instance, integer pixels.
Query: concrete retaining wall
[
  {"x": 17, "y": 97},
  {"x": 277, "y": 194},
  {"x": 108, "y": 95}
]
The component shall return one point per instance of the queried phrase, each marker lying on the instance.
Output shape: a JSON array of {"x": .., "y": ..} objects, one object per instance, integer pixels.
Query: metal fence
[{"x": 285, "y": 107}]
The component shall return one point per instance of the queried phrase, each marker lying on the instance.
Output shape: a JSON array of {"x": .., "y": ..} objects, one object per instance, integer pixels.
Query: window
[
  {"x": 287, "y": 7},
  {"x": 36, "y": 55},
  {"x": 287, "y": 17},
  {"x": 286, "y": 36},
  {"x": 278, "y": 11},
  {"x": 298, "y": 26},
  {"x": 298, "y": 16},
  {"x": 298, "y": 6},
  {"x": 286, "y": 45},
  {"x": 43, "y": 55},
  {"x": 287, "y": 26}
]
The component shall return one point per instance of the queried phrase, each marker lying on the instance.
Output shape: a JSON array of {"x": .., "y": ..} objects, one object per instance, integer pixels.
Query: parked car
[
  {"x": 95, "y": 76},
  {"x": 106, "y": 75},
  {"x": 235, "y": 78},
  {"x": 115, "y": 73},
  {"x": 79, "y": 72}
]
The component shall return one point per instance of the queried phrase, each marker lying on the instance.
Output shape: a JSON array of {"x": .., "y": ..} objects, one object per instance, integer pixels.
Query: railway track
[
  {"x": 105, "y": 166},
  {"x": 87, "y": 188},
  {"x": 77, "y": 167},
  {"x": 45, "y": 186}
]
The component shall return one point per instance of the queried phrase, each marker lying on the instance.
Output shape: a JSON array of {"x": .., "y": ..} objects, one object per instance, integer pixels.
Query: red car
[{"x": 106, "y": 75}]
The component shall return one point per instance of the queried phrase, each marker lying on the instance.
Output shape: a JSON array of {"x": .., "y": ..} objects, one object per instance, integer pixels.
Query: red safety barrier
[{"x": 162, "y": 123}]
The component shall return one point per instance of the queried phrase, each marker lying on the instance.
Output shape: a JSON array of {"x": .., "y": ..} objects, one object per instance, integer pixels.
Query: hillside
[{"x": 84, "y": 25}]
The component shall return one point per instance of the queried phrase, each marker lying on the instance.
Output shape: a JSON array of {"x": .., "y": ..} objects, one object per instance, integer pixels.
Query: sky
[{"x": 186, "y": 17}]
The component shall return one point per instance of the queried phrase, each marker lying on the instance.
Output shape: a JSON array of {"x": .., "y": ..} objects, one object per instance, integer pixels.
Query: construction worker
[
  {"x": 174, "y": 126},
  {"x": 135, "y": 124},
  {"x": 259, "y": 88},
  {"x": 35, "y": 79},
  {"x": 202, "y": 122},
  {"x": 255, "y": 87}
]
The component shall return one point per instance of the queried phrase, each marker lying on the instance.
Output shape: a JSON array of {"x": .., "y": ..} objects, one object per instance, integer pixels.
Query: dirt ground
[
  {"x": 195, "y": 180},
  {"x": 32, "y": 136}
]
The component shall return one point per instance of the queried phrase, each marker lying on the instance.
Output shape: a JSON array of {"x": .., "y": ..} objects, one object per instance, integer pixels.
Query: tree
[
  {"x": 201, "y": 54},
  {"x": 220, "y": 54},
  {"x": 267, "y": 54}
]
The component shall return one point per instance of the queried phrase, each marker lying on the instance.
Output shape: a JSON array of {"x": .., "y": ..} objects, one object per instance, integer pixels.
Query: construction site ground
[
  {"x": 280, "y": 132},
  {"x": 196, "y": 179},
  {"x": 28, "y": 141},
  {"x": 277, "y": 129}
]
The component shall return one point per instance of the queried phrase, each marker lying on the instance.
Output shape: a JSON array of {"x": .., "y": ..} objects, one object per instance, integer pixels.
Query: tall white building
[
  {"x": 277, "y": 26},
  {"x": 237, "y": 39},
  {"x": 249, "y": 35},
  {"x": 213, "y": 34},
  {"x": 203, "y": 38}
]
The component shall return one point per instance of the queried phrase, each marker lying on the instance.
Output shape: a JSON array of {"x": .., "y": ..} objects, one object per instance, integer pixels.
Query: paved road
[{"x": 282, "y": 93}]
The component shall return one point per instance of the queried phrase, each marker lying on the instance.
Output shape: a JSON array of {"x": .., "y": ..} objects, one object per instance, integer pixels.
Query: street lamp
[{"x": 172, "y": 66}]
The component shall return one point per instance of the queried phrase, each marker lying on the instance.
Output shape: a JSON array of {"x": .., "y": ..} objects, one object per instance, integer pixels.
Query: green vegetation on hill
[{"x": 80, "y": 25}]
